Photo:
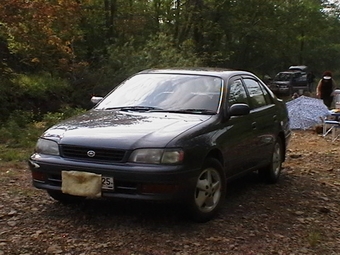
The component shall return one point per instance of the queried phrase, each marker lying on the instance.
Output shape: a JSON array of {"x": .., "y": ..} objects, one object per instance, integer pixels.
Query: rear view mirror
[
  {"x": 96, "y": 100},
  {"x": 239, "y": 110}
]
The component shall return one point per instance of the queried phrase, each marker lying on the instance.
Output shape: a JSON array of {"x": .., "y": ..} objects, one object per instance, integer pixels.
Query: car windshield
[
  {"x": 166, "y": 92},
  {"x": 283, "y": 77}
]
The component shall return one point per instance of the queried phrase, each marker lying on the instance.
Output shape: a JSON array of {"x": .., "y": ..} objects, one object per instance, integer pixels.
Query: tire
[
  {"x": 271, "y": 173},
  {"x": 64, "y": 198},
  {"x": 209, "y": 191}
]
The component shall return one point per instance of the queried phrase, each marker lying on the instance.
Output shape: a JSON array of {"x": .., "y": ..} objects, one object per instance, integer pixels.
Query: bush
[
  {"x": 41, "y": 93},
  {"x": 49, "y": 119},
  {"x": 18, "y": 131},
  {"x": 32, "y": 93},
  {"x": 7, "y": 98},
  {"x": 22, "y": 131}
]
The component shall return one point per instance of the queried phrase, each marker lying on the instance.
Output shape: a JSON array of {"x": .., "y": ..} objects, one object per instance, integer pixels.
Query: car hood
[{"x": 125, "y": 130}]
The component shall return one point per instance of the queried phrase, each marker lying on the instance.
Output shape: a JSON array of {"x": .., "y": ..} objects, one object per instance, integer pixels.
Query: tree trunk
[{"x": 110, "y": 7}]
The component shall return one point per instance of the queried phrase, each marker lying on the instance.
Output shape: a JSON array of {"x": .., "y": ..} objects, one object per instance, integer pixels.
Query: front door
[{"x": 237, "y": 132}]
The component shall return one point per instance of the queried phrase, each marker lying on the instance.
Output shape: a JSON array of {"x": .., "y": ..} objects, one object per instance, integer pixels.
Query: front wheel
[
  {"x": 209, "y": 191},
  {"x": 272, "y": 172}
]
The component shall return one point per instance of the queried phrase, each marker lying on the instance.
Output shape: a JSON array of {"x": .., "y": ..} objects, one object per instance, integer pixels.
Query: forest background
[{"x": 56, "y": 54}]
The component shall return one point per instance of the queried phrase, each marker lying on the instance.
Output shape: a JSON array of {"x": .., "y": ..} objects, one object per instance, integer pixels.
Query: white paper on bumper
[{"x": 81, "y": 183}]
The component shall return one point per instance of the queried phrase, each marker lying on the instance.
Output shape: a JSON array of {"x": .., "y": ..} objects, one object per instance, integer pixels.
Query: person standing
[{"x": 325, "y": 88}]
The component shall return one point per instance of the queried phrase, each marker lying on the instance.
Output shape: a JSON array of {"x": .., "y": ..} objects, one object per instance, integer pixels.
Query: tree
[{"x": 34, "y": 31}]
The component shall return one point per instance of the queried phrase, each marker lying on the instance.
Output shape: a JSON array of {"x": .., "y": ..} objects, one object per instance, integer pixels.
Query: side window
[
  {"x": 302, "y": 78},
  {"x": 237, "y": 93},
  {"x": 266, "y": 95},
  {"x": 255, "y": 91}
]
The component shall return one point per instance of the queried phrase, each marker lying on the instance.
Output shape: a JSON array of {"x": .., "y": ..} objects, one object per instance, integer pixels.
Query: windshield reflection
[{"x": 166, "y": 92}]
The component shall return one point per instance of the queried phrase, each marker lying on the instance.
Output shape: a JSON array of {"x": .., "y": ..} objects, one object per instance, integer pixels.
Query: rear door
[{"x": 264, "y": 121}]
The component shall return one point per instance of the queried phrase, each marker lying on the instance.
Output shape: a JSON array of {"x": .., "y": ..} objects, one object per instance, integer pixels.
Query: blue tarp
[{"x": 306, "y": 112}]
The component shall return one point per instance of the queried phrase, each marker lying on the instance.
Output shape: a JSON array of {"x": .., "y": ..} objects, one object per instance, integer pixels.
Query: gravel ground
[{"x": 299, "y": 215}]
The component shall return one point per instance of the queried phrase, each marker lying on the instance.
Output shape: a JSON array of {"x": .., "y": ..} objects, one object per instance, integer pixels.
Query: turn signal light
[{"x": 39, "y": 176}]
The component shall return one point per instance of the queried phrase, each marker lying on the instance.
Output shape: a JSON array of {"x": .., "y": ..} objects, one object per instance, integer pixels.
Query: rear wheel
[
  {"x": 64, "y": 198},
  {"x": 272, "y": 172},
  {"x": 209, "y": 192}
]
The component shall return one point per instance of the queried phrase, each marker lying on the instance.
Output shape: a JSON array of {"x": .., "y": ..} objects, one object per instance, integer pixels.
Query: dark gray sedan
[{"x": 167, "y": 135}]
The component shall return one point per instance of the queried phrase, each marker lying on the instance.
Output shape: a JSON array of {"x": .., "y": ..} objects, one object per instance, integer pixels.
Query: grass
[
  {"x": 314, "y": 238},
  {"x": 8, "y": 154}
]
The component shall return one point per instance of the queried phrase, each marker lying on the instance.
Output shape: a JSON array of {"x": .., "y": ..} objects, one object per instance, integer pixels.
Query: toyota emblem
[{"x": 91, "y": 154}]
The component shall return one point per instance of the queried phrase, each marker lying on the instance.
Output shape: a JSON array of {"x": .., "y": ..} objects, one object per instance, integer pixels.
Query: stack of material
[{"x": 306, "y": 112}]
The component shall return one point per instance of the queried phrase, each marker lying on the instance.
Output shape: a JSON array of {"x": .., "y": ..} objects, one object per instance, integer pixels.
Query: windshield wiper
[
  {"x": 156, "y": 109},
  {"x": 133, "y": 108}
]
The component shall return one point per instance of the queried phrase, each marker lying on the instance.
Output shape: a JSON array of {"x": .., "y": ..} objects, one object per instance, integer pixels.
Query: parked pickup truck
[{"x": 290, "y": 81}]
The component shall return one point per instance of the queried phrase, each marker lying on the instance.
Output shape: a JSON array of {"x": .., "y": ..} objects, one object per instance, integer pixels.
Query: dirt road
[{"x": 300, "y": 215}]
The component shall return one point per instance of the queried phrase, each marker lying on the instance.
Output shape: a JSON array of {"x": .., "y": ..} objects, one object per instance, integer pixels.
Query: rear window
[{"x": 283, "y": 77}]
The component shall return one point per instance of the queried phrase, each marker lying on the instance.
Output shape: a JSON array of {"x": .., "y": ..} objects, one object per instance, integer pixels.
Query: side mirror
[
  {"x": 96, "y": 100},
  {"x": 239, "y": 110}
]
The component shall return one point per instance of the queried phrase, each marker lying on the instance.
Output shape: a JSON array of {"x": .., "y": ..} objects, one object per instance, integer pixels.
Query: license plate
[{"x": 107, "y": 183}]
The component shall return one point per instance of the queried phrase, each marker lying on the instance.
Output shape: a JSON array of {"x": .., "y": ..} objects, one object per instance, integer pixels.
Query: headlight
[
  {"x": 157, "y": 156},
  {"x": 47, "y": 147}
]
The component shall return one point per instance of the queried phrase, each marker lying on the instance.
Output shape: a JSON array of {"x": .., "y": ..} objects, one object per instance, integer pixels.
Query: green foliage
[
  {"x": 162, "y": 52},
  {"x": 41, "y": 93},
  {"x": 40, "y": 86},
  {"x": 20, "y": 132},
  {"x": 127, "y": 59},
  {"x": 13, "y": 154},
  {"x": 47, "y": 63},
  {"x": 7, "y": 98},
  {"x": 114, "y": 38},
  {"x": 50, "y": 118}
]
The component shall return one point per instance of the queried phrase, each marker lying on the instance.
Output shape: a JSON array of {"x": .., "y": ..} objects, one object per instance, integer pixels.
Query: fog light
[
  {"x": 158, "y": 188},
  {"x": 38, "y": 176}
]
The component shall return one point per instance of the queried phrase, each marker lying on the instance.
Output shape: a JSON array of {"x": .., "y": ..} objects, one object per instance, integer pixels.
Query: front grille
[{"x": 113, "y": 155}]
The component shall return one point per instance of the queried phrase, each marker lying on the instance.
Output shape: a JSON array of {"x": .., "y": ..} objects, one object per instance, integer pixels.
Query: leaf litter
[{"x": 299, "y": 215}]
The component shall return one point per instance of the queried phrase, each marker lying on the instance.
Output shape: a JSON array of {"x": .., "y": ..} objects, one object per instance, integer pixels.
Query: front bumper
[{"x": 131, "y": 181}]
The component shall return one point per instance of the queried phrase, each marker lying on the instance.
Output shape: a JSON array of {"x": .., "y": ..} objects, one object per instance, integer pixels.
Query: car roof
[
  {"x": 298, "y": 68},
  {"x": 219, "y": 72}
]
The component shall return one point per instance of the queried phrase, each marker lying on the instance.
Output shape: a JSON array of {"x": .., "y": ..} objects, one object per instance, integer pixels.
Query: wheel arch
[{"x": 216, "y": 154}]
